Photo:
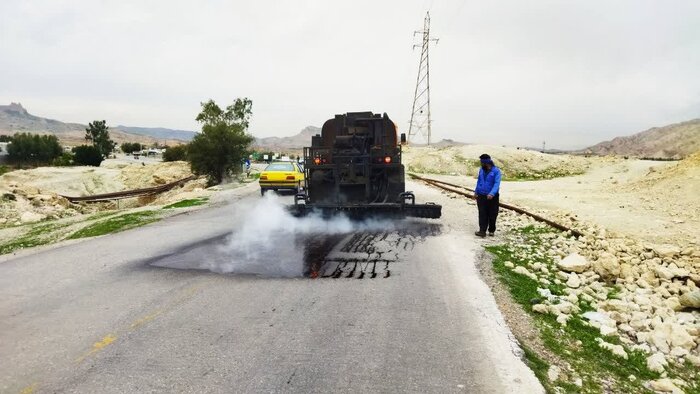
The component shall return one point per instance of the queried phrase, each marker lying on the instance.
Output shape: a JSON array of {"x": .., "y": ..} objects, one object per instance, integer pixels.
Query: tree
[
  {"x": 98, "y": 133},
  {"x": 5, "y": 138},
  {"x": 33, "y": 148},
  {"x": 131, "y": 147},
  {"x": 175, "y": 153},
  {"x": 87, "y": 155},
  {"x": 223, "y": 143}
]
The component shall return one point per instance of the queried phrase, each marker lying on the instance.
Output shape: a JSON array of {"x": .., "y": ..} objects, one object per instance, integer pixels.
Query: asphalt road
[{"x": 383, "y": 308}]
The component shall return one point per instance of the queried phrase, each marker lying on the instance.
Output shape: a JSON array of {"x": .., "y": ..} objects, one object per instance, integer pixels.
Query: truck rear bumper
[{"x": 431, "y": 211}]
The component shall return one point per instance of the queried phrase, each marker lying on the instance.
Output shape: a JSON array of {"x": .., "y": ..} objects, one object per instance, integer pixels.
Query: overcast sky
[{"x": 504, "y": 72}]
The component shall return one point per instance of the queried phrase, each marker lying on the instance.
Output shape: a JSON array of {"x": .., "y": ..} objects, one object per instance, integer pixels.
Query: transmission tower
[{"x": 420, "y": 115}]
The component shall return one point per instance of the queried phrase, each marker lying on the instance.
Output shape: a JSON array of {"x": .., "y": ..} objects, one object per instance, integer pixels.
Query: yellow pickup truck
[{"x": 281, "y": 176}]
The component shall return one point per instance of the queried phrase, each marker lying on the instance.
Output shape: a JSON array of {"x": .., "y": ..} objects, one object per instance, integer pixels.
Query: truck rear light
[
  {"x": 290, "y": 177},
  {"x": 317, "y": 161},
  {"x": 263, "y": 177},
  {"x": 387, "y": 159}
]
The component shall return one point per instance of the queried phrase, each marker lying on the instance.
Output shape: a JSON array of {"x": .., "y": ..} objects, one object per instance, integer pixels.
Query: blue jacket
[{"x": 488, "y": 182}]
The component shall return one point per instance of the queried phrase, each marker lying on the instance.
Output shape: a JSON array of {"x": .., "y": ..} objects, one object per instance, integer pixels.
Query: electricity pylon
[{"x": 420, "y": 115}]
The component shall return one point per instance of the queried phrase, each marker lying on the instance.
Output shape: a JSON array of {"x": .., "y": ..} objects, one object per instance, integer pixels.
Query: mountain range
[{"x": 674, "y": 141}]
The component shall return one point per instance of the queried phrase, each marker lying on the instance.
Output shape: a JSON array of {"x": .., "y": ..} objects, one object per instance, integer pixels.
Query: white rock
[
  {"x": 667, "y": 250},
  {"x": 562, "y": 319},
  {"x": 598, "y": 319},
  {"x": 607, "y": 266},
  {"x": 607, "y": 330},
  {"x": 524, "y": 271},
  {"x": 540, "y": 308},
  {"x": 691, "y": 299},
  {"x": 685, "y": 318},
  {"x": 664, "y": 385},
  {"x": 553, "y": 373},
  {"x": 679, "y": 337},
  {"x": 617, "y": 350},
  {"x": 656, "y": 362},
  {"x": 573, "y": 263},
  {"x": 509, "y": 264},
  {"x": 31, "y": 217},
  {"x": 695, "y": 360},
  {"x": 574, "y": 281},
  {"x": 663, "y": 272}
]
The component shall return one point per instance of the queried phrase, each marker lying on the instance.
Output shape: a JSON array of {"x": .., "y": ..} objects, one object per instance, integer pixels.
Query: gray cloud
[{"x": 509, "y": 72}]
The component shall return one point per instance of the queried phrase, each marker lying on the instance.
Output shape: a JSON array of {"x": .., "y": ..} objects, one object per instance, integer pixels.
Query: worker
[
  {"x": 247, "y": 167},
  {"x": 487, "y": 186}
]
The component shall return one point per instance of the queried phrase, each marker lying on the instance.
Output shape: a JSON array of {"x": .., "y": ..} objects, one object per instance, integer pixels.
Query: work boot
[
  {"x": 491, "y": 233},
  {"x": 480, "y": 234}
]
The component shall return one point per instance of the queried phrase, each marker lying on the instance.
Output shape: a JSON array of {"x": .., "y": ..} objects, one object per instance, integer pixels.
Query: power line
[{"x": 420, "y": 115}]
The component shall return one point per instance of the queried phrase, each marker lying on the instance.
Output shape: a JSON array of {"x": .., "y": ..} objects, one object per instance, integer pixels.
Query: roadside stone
[
  {"x": 607, "y": 266},
  {"x": 574, "y": 281},
  {"x": 691, "y": 299},
  {"x": 31, "y": 217},
  {"x": 667, "y": 250},
  {"x": 553, "y": 373},
  {"x": 509, "y": 264},
  {"x": 665, "y": 385},
  {"x": 540, "y": 308},
  {"x": 695, "y": 360},
  {"x": 607, "y": 330},
  {"x": 574, "y": 263},
  {"x": 524, "y": 271},
  {"x": 657, "y": 362},
  {"x": 617, "y": 350},
  {"x": 679, "y": 337}
]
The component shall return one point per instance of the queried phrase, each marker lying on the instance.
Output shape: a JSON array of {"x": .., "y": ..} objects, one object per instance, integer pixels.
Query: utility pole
[
  {"x": 420, "y": 115},
  {"x": 543, "y": 146}
]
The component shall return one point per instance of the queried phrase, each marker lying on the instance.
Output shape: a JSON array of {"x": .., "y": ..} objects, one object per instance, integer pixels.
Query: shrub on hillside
[
  {"x": 33, "y": 149},
  {"x": 131, "y": 147},
  {"x": 87, "y": 155},
  {"x": 175, "y": 153},
  {"x": 65, "y": 160}
]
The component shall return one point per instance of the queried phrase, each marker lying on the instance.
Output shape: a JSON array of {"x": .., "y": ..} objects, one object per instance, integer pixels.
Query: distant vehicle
[{"x": 281, "y": 176}]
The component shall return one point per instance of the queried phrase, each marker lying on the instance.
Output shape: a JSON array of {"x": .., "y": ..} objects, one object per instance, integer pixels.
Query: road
[{"x": 378, "y": 308}]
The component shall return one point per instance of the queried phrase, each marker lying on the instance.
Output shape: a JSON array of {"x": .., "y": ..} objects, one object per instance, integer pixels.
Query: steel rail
[
  {"x": 442, "y": 185},
  {"x": 129, "y": 193}
]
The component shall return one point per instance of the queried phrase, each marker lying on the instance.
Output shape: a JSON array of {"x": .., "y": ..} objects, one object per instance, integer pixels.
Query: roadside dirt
[{"x": 649, "y": 200}]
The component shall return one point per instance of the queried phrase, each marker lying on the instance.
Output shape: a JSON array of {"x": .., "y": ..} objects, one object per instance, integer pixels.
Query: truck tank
[{"x": 354, "y": 166}]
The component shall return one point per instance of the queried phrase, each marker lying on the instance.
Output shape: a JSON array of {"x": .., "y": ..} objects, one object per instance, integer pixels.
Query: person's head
[{"x": 486, "y": 162}]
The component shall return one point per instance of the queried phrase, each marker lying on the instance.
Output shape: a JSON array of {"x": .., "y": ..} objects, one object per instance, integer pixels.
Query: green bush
[
  {"x": 87, "y": 155},
  {"x": 175, "y": 153},
  {"x": 131, "y": 147},
  {"x": 33, "y": 148},
  {"x": 65, "y": 160}
]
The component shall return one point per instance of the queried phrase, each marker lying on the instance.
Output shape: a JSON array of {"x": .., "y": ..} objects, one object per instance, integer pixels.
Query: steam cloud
[{"x": 268, "y": 240}]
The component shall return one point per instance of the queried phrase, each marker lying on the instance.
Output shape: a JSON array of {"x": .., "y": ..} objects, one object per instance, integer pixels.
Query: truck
[{"x": 354, "y": 166}]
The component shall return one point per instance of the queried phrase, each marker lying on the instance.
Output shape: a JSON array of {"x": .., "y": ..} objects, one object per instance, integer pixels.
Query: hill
[
  {"x": 159, "y": 132},
  {"x": 14, "y": 118},
  {"x": 674, "y": 141},
  {"x": 295, "y": 142}
]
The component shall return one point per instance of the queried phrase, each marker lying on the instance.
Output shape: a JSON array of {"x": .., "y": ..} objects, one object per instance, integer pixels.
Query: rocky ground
[
  {"x": 30, "y": 196},
  {"x": 642, "y": 299},
  {"x": 516, "y": 164},
  {"x": 617, "y": 310}
]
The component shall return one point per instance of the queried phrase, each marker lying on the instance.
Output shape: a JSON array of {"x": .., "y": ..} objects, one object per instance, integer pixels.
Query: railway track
[
  {"x": 459, "y": 189},
  {"x": 129, "y": 193}
]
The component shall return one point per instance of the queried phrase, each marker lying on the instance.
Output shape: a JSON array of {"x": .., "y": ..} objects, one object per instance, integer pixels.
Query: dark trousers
[{"x": 488, "y": 212}]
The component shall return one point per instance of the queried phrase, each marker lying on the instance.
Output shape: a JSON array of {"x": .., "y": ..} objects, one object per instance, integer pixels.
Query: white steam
[{"x": 269, "y": 241}]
